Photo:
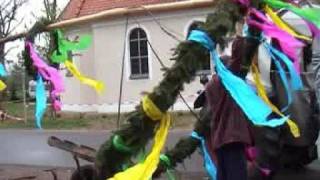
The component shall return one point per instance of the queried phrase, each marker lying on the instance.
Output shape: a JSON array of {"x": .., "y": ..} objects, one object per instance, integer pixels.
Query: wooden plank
[{"x": 81, "y": 151}]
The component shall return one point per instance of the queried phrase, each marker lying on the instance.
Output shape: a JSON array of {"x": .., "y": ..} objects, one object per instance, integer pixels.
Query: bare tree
[
  {"x": 50, "y": 15},
  {"x": 51, "y": 9},
  {"x": 8, "y": 13}
]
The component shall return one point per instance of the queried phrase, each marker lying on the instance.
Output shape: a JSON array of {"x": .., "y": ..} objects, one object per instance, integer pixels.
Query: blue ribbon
[
  {"x": 251, "y": 104},
  {"x": 41, "y": 101},
  {"x": 295, "y": 80},
  {"x": 276, "y": 56},
  {"x": 2, "y": 70},
  {"x": 209, "y": 164}
]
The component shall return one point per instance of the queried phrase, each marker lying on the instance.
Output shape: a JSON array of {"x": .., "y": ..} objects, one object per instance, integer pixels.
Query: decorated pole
[{"x": 131, "y": 139}]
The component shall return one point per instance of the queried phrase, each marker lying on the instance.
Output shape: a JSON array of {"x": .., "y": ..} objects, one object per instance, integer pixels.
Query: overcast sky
[{"x": 26, "y": 12}]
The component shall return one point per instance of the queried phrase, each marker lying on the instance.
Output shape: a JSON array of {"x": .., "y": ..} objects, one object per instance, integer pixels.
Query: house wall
[{"x": 103, "y": 59}]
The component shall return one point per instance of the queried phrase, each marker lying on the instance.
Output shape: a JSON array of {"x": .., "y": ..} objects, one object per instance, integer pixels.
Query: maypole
[{"x": 130, "y": 140}]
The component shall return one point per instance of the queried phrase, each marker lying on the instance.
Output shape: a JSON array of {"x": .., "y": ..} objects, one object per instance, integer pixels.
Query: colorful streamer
[
  {"x": 246, "y": 3},
  {"x": 295, "y": 80},
  {"x": 287, "y": 42},
  {"x": 2, "y": 74},
  {"x": 284, "y": 80},
  {"x": 2, "y": 85},
  {"x": 50, "y": 74},
  {"x": 310, "y": 14},
  {"x": 144, "y": 171},
  {"x": 253, "y": 106},
  {"x": 262, "y": 93},
  {"x": 97, "y": 85},
  {"x": 209, "y": 164},
  {"x": 314, "y": 30},
  {"x": 41, "y": 101},
  {"x": 118, "y": 143},
  {"x": 60, "y": 55},
  {"x": 282, "y": 25},
  {"x": 165, "y": 159},
  {"x": 251, "y": 154},
  {"x": 2, "y": 71}
]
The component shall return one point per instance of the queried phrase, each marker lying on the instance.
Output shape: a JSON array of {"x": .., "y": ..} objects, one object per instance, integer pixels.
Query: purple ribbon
[
  {"x": 48, "y": 73},
  {"x": 287, "y": 42}
]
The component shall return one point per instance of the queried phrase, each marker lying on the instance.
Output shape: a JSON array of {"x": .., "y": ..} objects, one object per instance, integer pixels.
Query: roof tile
[{"x": 78, "y": 8}]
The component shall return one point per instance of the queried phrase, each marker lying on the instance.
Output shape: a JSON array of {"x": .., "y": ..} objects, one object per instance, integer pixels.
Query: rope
[
  {"x": 122, "y": 72},
  {"x": 164, "y": 29}
]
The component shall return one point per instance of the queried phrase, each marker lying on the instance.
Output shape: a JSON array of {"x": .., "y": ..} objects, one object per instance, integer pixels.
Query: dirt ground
[
  {"x": 12, "y": 172},
  {"x": 181, "y": 120}
]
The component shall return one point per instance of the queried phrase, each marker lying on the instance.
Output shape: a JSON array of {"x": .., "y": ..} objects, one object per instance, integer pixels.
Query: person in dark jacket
[{"x": 230, "y": 129}]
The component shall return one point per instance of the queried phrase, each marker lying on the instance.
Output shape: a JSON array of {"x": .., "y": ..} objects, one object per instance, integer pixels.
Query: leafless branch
[
  {"x": 15, "y": 26},
  {"x": 10, "y": 49},
  {"x": 8, "y": 13}
]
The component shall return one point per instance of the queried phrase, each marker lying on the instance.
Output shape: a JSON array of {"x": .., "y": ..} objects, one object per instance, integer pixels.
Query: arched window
[
  {"x": 138, "y": 54},
  {"x": 206, "y": 68}
]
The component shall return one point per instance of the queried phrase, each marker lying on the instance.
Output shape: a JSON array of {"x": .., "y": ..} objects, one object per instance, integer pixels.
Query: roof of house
[{"x": 79, "y": 8}]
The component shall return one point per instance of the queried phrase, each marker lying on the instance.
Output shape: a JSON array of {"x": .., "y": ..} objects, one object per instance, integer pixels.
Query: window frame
[{"x": 139, "y": 57}]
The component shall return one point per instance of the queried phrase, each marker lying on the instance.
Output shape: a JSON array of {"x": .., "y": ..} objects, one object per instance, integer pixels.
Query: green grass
[
  {"x": 73, "y": 121},
  {"x": 48, "y": 122},
  {"x": 16, "y": 109}
]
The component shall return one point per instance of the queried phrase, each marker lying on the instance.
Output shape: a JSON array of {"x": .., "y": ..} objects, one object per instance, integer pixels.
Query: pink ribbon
[
  {"x": 287, "y": 42},
  {"x": 251, "y": 154},
  {"x": 313, "y": 29},
  {"x": 243, "y": 2},
  {"x": 50, "y": 74}
]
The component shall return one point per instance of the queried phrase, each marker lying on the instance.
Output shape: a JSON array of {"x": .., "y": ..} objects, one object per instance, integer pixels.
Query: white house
[{"x": 106, "y": 21}]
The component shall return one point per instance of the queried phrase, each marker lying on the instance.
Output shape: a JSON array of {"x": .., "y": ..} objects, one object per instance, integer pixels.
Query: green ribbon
[
  {"x": 166, "y": 161},
  {"x": 119, "y": 144},
  {"x": 311, "y": 14},
  {"x": 64, "y": 46}
]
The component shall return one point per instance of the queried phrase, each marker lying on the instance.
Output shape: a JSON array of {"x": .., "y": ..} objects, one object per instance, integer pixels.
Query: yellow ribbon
[
  {"x": 2, "y": 85},
  {"x": 151, "y": 110},
  {"x": 262, "y": 93},
  {"x": 282, "y": 25},
  {"x": 144, "y": 170},
  {"x": 97, "y": 85}
]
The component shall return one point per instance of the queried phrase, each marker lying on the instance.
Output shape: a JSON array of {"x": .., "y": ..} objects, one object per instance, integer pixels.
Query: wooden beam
[
  {"x": 81, "y": 151},
  {"x": 13, "y": 37}
]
